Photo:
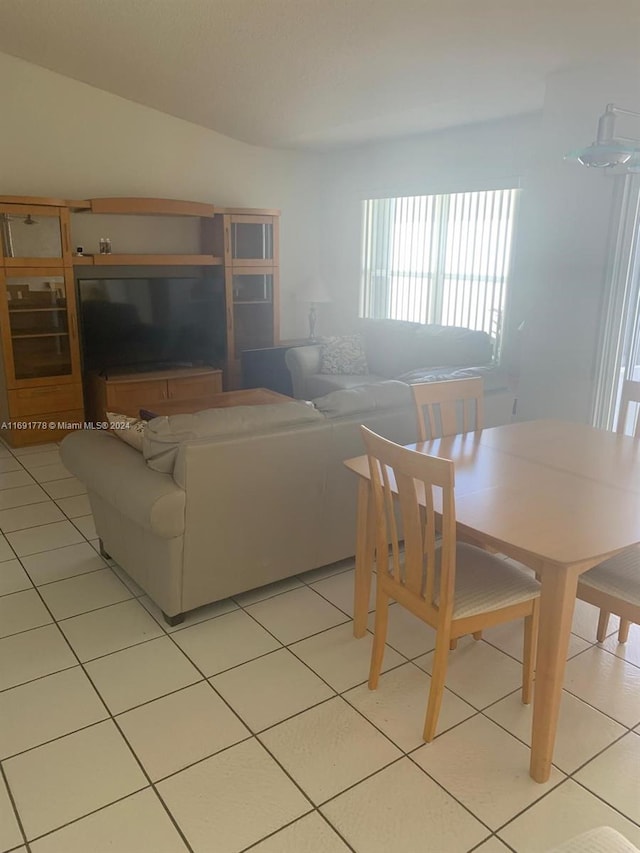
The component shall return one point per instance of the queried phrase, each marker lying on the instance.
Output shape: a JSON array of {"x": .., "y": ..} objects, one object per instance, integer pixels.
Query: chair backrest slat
[
  {"x": 406, "y": 479},
  {"x": 458, "y": 402},
  {"x": 630, "y": 394}
]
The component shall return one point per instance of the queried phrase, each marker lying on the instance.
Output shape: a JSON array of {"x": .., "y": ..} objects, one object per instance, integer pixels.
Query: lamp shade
[{"x": 315, "y": 290}]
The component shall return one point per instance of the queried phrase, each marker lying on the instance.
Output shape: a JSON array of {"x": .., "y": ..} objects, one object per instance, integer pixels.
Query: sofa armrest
[
  {"x": 119, "y": 475},
  {"x": 302, "y": 362}
]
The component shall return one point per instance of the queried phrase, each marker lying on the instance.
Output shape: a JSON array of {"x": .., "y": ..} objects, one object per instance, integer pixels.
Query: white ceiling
[{"x": 317, "y": 73}]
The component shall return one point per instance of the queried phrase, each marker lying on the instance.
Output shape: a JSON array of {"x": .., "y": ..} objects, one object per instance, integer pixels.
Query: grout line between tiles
[
  {"x": 317, "y": 811},
  {"x": 14, "y": 806},
  {"x": 133, "y": 753},
  {"x": 403, "y": 753}
]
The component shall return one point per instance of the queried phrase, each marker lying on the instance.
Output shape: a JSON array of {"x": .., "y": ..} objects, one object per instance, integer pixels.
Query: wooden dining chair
[
  {"x": 614, "y": 586},
  {"x": 455, "y": 588},
  {"x": 449, "y": 407}
]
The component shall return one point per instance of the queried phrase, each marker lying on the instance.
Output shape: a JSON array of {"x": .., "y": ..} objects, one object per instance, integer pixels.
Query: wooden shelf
[
  {"x": 40, "y": 335},
  {"x": 151, "y": 207},
  {"x": 249, "y": 211},
  {"x": 29, "y": 310},
  {"x": 32, "y": 200},
  {"x": 35, "y": 263},
  {"x": 150, "y": 260}
]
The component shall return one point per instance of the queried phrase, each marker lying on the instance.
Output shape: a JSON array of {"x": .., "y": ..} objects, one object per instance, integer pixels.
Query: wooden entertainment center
[{"x": 42, "y": 384}]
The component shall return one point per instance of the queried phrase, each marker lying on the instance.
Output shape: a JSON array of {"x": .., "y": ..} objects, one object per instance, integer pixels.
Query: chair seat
[
  {"x": 619, "y": 576},
  {"x": 602, "y": 840},
  {"x": 485, "y": 582}
]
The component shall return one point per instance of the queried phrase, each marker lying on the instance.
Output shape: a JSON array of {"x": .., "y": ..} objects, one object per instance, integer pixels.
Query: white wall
[
  {"x": 567, "y": 220},
  {"x": 66, "y": 139}
]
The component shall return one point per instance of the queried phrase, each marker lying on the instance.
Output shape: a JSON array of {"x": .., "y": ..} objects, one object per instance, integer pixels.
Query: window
[{"x": 439, "y": 259}]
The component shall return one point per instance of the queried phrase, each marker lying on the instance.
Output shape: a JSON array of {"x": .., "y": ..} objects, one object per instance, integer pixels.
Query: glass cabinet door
[
  {"x": 252, "y": 287},
  {"x": 39, "y": 333},
  {"x": 253, "y": 309},
  {"x": 32, "y": 235},
  {"x": 252, "y": 239}
]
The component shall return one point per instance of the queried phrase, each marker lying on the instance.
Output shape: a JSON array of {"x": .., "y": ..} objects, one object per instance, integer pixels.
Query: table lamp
[{"x": 315, "y": 292}]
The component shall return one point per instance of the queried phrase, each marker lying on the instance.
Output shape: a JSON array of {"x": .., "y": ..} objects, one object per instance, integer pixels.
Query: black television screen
[{"x": 151, "y": 323}]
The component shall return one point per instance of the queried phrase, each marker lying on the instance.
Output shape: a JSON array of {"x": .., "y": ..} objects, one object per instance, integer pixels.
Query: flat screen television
[{"x": 151, "y": 323}]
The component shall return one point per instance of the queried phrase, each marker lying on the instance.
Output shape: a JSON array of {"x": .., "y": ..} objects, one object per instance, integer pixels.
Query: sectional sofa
[
  {"x": 410, "y": 353},
  {"x": 230, "y": 499}
]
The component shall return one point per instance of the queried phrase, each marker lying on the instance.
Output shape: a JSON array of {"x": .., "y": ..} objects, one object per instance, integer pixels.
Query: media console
[{"x": 127, "y": 393}]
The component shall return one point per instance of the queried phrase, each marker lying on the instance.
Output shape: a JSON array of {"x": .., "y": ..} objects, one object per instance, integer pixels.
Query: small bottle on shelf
[
  {"x": 107, "y": 246},
  {"x": 103, "y": 246}
]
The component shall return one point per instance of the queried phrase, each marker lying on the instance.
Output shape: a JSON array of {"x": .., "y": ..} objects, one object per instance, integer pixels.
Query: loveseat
[
  {"x": 230, "y": 499},
  {"x": 408, "y": 352}
]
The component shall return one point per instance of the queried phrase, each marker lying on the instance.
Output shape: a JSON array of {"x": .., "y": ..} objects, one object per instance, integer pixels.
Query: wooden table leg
[
  {"x": 557, "y": 602},
  {"x": 364, "y": 560}
]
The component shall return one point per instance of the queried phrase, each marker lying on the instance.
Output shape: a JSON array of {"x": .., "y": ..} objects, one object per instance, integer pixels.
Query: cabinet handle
[
  {"x": 229, "y": 319},
  {"x": 227, "y": 240},
  {"x": 65, "y": 238}
]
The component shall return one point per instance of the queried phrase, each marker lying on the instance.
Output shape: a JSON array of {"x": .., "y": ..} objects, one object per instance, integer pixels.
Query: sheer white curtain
[{"x": 620, "y": 342}]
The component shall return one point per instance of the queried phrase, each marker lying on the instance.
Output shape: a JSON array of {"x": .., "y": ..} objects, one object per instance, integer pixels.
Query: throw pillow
[
  {"x": 146, "y": 415},
  {"x": 343, "y": 354},
  {"x": 129, "y": 430}
]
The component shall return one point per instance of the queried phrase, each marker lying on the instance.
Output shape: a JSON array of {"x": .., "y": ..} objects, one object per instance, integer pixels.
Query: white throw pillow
[{"x": 129, "y": 430}]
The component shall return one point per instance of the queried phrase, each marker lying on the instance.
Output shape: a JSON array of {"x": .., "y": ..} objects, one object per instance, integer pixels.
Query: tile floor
[{"x": 250, "y": 726}]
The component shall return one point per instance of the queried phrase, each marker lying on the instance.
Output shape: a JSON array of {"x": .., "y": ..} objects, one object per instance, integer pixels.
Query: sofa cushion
[
  {"x": 319, "y": 384},
  {"x": 389, "y": 346},
  {"x": 343, "y": 354},
  {"x": 453, "y": 345},
  {"x": 396, "y": 347},
  {"x": 164, "y": 435},
  {"x": 365, "y": 398},
  {"x": 494, "y": 378}
]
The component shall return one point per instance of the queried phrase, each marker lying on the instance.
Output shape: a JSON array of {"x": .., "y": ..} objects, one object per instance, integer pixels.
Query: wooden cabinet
[
  {"x": 127, "y": 393},
  {"x": 42, "y": 383},
  {"x": 39, "y": 326},
  {"x": 249, "y": 243},
  {"x": 35, "y": 235},
  {"x": 41, "y": 375}
]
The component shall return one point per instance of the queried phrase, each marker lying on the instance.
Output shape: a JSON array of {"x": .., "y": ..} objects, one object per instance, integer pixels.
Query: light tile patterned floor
[{"x": 250, "y": 726}]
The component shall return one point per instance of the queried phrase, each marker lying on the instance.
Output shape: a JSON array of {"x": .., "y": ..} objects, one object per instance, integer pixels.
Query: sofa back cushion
[
  {"x": 365, "y": 398},
  {"x": 164, "y": 436},
  {"x": 395, "y": 347},
  {"x": 389, "y": 346}
]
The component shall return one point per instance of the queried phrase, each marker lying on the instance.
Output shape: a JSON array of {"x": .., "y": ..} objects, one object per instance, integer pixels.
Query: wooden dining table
[{"x": 559, "y": 497}]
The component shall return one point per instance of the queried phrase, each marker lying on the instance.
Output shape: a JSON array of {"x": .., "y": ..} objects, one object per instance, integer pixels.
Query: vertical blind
[{"x": 439, "y": 258}]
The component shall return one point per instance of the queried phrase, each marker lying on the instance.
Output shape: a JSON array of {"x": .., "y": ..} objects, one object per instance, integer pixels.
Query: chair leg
[
  {"x": 530, "y": 644},
  {"x": 436, "y": 691},
  {"x": 623, "y": 630},
  {"x": 603, "y": 624},
  {"x": 453, "y": 645},
  {"x": 379, "y": 636},
  {"x": 477, "y": 635}
]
